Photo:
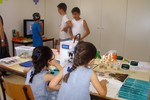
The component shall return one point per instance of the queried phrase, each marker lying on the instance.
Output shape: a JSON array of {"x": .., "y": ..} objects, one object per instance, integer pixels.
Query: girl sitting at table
[
  {"x": 38, "y": 77},
  {"x": 77, "y": 77}
]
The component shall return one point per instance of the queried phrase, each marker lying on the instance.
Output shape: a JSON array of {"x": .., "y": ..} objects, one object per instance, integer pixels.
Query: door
[
  {"x": 91, "y": 12},
  {"x": 113, "y": 25},
  {"x": 137, "y": 38}
]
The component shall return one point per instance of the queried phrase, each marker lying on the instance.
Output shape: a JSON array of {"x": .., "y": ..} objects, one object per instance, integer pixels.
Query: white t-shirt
[
  {"x": 62, "y": 34},
  {"x": 78, "y": 27}
]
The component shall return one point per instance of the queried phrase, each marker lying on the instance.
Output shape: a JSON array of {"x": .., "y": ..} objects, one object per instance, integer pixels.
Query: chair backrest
[{"x": 18, "y": 91}]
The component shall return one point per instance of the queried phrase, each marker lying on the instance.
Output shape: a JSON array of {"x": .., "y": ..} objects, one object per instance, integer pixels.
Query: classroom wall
[{"x": 123, "y": 25}]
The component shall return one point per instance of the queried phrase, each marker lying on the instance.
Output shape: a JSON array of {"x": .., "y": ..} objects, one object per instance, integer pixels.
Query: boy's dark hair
[
  {"x": 40, "y": 57},
  {"x": 75, "y": 9},
  {"x": 62, "y": 6},
  {"x": 1, "y": 20},
  {"x": 84, "y": 53},
  {"x": 36, "y": 16}
]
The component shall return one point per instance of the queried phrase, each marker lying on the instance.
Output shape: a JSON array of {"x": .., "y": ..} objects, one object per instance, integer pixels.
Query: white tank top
[{"x": 78, "y": 27}]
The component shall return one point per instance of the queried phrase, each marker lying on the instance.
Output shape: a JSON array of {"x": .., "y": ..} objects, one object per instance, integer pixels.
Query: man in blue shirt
[{"x": 37, "y": 31}]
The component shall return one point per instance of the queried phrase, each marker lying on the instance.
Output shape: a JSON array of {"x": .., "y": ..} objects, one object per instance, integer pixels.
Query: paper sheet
[
  {"x": 113, "y": 87},
  {"x": 10, "y": 61}
]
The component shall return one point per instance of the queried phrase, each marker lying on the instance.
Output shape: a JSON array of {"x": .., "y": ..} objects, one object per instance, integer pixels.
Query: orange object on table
[
  {"x": 18, "y": 39},
  {"x": 114, "y": 56}
]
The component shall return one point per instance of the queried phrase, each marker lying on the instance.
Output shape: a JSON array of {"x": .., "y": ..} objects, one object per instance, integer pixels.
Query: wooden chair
[
  {"x": 2, "y": 87},
  {"x": 17, "y": 91}
]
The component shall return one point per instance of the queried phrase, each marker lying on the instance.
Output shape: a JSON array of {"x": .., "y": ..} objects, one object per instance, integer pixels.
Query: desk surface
[{"x": 142, "y": 75}]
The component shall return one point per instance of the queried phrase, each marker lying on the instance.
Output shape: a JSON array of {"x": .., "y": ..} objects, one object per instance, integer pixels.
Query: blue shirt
[
  {"x": 39, "y": 86},
  {"x": 37, "y": 38}
]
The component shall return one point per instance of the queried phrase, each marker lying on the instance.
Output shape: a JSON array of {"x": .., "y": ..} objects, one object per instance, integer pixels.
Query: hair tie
[
  {"x": 69, "y": 69},
  {"x": 32, "y": 74}
]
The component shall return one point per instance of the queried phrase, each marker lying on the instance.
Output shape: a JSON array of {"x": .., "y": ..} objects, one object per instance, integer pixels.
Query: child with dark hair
[
  {"x": 37, "y": 30},
  {"x": 38, "y": 77},
  {"x": 77, "y": 77},
  {"x": 79, "y": 25},
  {"x": 65, "y": 24}
]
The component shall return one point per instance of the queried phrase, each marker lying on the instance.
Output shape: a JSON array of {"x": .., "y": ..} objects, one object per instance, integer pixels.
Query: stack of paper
[
  {"x": 134, "y": 89},
  {"x": 10, "y": 61}
]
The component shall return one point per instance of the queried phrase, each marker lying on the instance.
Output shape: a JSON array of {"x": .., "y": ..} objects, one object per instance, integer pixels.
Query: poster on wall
[{"x": 36, "y": 1}]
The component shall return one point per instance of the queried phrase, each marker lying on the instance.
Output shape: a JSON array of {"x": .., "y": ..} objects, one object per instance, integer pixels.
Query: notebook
[
  {"x": 134, "y": 89},
  {"x": 26, "y": 64}
]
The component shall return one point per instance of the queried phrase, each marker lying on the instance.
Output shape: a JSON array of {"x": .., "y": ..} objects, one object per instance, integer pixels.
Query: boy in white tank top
[{"x": 79, "y": 25}]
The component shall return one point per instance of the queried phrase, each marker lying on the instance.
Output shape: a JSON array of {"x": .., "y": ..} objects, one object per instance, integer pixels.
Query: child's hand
[
  {"x": 65, "y": 29},
  {"x": 103, "y": 82},
  {"x": 55, "y": 63}
]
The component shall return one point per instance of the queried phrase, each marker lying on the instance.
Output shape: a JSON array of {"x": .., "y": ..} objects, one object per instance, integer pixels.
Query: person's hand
[
  {"x": 55, "y": 63},
  {"x": 3, "y": 44},
  {"x": 65, "y": 30},
  {"x": 103, "y": 82}
]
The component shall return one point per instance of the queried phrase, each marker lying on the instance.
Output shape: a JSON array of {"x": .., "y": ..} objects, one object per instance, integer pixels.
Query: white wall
[
  {"x": 13, "y": 13},
  {"x": 137, "y": 37}
]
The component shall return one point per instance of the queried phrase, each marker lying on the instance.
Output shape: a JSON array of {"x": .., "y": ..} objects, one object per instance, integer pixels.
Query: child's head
[
  {"x": 84, "y": 53},
  {"x": 62, "y": 8},
  {"x": 36, "y": 16},
  {"x": 76, "y": 13},
  {"x": 40, "y": 57}
]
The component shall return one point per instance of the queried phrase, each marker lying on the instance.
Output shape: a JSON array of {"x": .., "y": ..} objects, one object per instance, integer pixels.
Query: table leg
[
  {"x": 2, "y": 87},
  {"x": 13, "y": 48}
]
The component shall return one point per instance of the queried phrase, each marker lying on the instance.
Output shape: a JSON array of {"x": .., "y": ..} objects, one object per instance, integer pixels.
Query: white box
[
  {"x": 20, "y": 50},
  {"x": 65, "y": 48}
]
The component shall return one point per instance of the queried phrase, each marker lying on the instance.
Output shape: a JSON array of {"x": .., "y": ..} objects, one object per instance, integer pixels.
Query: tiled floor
[{"x": 14, "y": 79}]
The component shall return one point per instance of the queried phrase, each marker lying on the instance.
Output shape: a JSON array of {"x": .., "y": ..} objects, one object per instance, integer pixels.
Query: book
[
  {"x": 26, "y": 64},
  {"x": 134, "y": 89}
]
